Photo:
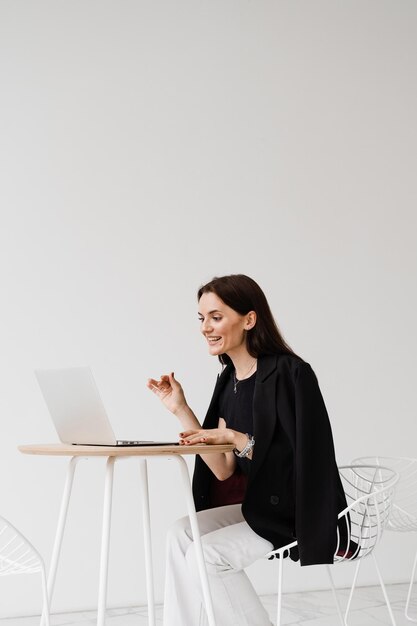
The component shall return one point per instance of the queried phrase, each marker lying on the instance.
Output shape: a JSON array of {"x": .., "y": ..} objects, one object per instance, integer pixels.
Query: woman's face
[{"x": 223, "y": 328}]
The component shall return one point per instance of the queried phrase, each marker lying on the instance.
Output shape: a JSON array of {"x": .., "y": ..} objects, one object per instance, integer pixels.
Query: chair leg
[
  {"x": 336, "y": 599},
  {"x": 384, "y": 591},
  {"x": 352, "y": 589},
  {"x": 279, "y": 604},
  {"x": 411, "y": 619}
]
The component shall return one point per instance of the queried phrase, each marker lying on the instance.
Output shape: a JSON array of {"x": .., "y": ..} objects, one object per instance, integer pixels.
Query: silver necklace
[{"x": 236, "y": 381}]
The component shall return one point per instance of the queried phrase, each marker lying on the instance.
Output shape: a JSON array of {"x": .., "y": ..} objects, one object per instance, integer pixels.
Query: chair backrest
[
  {"x": 404, "y": 510},
  {"x": 17, "y": 555},
  {"x": 369, "y": 491}
]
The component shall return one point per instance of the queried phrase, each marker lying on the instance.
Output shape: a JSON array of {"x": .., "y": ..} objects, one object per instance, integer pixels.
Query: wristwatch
[{"x": 246, "y": 450}]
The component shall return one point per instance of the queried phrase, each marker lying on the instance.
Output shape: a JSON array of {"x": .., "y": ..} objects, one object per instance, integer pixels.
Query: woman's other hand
[
  {"x": 209, "y": 436},
  {"x": 169, "y": 391}
]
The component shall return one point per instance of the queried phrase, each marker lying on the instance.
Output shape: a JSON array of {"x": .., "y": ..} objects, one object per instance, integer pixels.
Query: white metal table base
[{"x": 105, "y": 537}]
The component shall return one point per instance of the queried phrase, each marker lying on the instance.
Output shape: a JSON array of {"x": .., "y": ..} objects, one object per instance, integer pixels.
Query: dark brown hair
[{"x": 243, "y": 294}]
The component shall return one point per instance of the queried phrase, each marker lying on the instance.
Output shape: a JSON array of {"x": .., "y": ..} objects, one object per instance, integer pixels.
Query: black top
[{"x": 237, "y": 409}]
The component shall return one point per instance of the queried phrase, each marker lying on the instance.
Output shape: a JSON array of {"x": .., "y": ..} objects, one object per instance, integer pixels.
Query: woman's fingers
[
  {"x": 210, "y": 436},
  {"x": 193, "y": 441},
  {"x": 158, "y": 386},
  {"x": 165, "y": 384},
  {"x": 152, "y": 384},
  {"x": 190, "y": 437}
]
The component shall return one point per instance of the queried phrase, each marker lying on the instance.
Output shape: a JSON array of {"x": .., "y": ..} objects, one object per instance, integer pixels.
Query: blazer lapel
[{"x": 264, "y": 410}]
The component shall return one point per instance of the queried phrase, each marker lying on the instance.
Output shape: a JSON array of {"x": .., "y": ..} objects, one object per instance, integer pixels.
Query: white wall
[{"x": 147, "y": 146}]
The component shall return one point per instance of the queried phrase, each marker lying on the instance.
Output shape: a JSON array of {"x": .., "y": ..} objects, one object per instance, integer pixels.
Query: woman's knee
[
  {"x": 216, "y": 562},
  {"x": 179, "y": 533}
]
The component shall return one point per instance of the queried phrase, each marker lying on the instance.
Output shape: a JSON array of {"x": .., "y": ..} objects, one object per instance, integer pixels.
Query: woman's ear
[{"x": 250, "y": 320}]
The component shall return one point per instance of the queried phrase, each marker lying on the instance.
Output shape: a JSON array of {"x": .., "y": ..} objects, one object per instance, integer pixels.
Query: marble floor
[{"x": 311, "y": 608}]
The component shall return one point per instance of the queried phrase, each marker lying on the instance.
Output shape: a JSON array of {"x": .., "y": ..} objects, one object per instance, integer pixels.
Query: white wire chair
[
  {"x": 369, "y": 492},
  {"x": 404, "y": 509},
  {"x": 18, "y": 556}
]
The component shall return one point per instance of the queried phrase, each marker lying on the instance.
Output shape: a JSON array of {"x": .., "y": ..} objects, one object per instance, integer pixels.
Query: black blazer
[{"x": 294, "y": 490}]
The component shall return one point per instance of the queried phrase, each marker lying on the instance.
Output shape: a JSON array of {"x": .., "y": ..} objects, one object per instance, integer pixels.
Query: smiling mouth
[{"x": 213, "y": 340}]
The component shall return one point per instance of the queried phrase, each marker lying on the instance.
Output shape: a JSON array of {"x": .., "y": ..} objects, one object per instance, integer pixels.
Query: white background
[{"x": 147, "y": 146}]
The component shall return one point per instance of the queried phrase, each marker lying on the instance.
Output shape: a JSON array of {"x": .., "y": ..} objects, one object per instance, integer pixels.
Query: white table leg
[
  {"x": 147, "y": 540},
  {"x": 197, "y": 540},
  {"x": 62, "y": 519},
  {"x": 105, "y": 541}
]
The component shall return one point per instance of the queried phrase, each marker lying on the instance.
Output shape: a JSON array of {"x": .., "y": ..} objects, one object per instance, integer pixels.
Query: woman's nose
[{"x": 205, "y": 326}]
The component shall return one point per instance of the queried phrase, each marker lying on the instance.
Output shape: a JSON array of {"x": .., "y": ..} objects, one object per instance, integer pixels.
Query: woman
[{"x": 281, "y": 481}]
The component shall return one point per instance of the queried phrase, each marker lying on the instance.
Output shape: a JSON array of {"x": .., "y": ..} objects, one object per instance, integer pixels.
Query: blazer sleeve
[{"x": 316, "y": 473}]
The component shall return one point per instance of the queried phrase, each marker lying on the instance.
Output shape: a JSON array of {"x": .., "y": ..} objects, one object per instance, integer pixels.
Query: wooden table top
[{"x": 62, "y": 449}]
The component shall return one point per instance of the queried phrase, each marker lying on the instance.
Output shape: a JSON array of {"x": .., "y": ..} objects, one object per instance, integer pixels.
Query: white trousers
[{"x": 229, "y": 545}]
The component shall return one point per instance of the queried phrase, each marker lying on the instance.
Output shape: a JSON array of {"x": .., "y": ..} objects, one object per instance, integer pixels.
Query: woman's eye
[{"x": 217, "y": 319}]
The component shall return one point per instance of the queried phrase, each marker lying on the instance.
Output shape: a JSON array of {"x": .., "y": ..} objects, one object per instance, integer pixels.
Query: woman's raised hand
[{"x": 169, "y": 391}]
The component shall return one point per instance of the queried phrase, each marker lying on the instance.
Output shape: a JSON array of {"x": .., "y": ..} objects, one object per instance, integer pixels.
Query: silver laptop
[{"x": 77, "y": 410}]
